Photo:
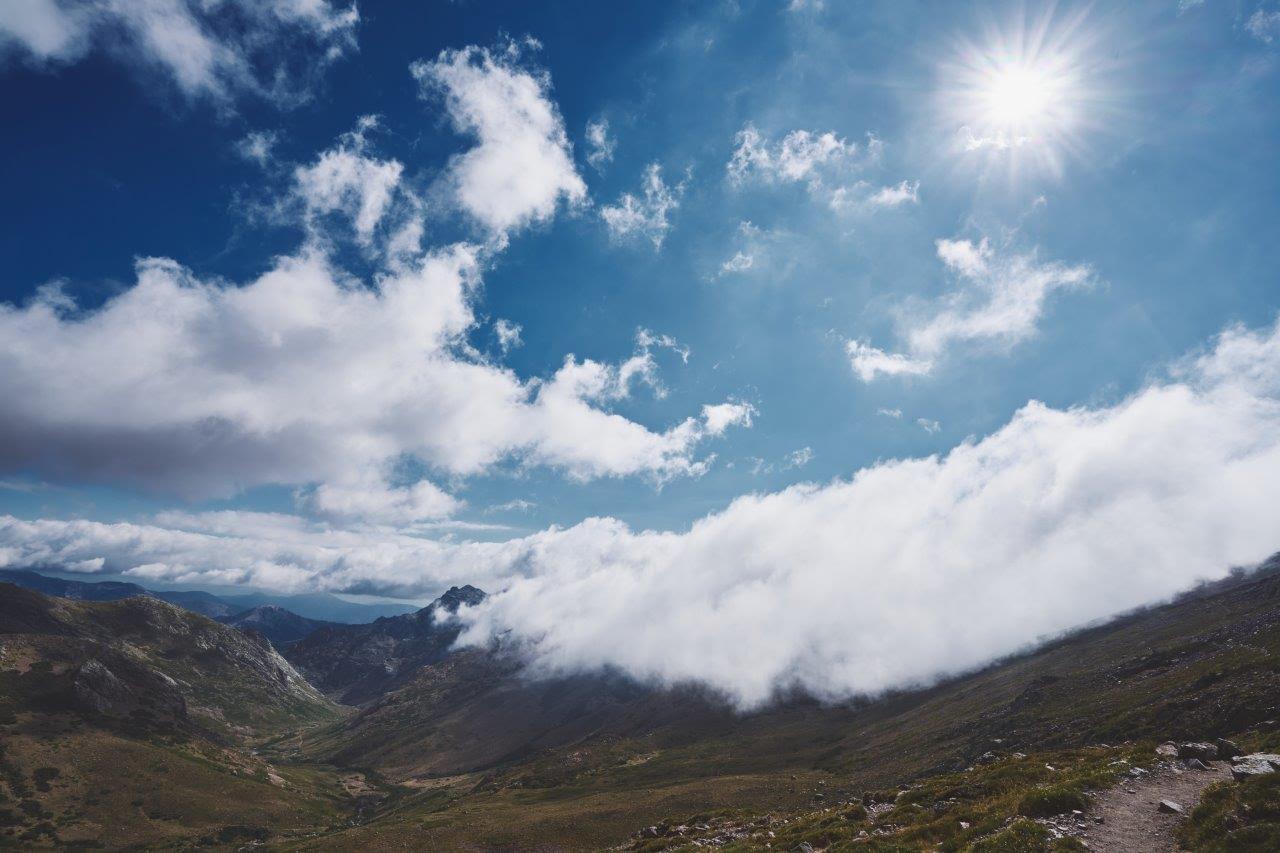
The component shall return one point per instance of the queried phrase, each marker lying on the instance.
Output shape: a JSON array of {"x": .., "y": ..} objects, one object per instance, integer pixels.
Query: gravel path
[{"x": 1131, "y": 822}]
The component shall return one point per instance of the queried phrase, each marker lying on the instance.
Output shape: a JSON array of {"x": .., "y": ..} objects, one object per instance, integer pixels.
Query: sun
[{"x": 1021, "y": 97}]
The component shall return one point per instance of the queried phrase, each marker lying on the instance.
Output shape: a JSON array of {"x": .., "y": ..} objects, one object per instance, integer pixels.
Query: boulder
[
  {"x": 1202, "y": 751},
  {"x": 1195, "y": 764},
  {"x": 1226, "y": 749},
  {"x": 1169, "y": 807},
  {"x": 1256, "y": 764},
  {"x": 1167, "y": 750}
]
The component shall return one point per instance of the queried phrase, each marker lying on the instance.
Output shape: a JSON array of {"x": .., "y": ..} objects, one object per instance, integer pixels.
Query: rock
[
  {"x": 804, "y": 847},
  {"x": 1167, "y": 750},
  {"x": 1169, "y": 807},
  {"x": 1098, "y": 819},
  {"x": 1270, "y": 757},
  {"x": 1226, "y": 749},
  {"x": 1249, "y": 766},
  {"x": 1202, "y": 751},
  {"x": 1196, "y": 764},
  {"x": 987, "y": 757}
]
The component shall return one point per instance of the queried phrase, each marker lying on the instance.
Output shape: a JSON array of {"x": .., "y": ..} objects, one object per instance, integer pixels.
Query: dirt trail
[{"x": 1131, "y": 822}]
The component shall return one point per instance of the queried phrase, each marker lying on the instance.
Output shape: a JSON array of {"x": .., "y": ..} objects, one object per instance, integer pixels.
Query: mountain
[
  {"x": 129, "y": 723},
  {"x": 488, "y": 756},
  {"x": 322, "y": 607},
  {"x": 153, "y": 726},
  {"x": 318, "y": 606},
  {"x": 357, "y": 663},
  {"x": 281, "y": 627}
]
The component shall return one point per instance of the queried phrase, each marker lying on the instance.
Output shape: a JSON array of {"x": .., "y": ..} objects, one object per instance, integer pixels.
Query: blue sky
[{"x": 873, "y": 231}]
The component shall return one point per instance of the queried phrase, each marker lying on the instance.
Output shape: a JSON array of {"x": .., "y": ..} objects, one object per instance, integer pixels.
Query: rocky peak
[{"x": 455, "y": 597}]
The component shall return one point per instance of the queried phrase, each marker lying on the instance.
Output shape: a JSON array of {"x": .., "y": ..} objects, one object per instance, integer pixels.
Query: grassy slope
[
  {"x": 1202, "y": 667},
  {"x": 156, "y": 776}
]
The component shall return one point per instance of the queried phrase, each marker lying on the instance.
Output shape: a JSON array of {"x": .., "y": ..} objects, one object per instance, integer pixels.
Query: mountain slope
[
  {"x": 126, "y": 723},
  {"x": 355, "y": 664},
  {"x": 318, "y": 606},
  {"x": 281, "y": 627},
  {"x": 593, "y": 758}
]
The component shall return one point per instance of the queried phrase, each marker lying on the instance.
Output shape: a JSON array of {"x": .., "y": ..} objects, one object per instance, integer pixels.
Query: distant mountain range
[{"x": 321, "y": 607}]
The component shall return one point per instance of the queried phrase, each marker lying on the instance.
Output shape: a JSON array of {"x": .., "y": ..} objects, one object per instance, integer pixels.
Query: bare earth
[{"x": 1131, "y": 821}]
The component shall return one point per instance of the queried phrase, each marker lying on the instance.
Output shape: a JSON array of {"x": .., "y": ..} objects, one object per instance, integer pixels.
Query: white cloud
[
  {"x": 522, "y": 166},
  {"x": 214, "y": 50},
  {"x": 368, "y": 498},
  {"x": 740, "y": 262},
  {"x": 721, "y": 416},
  {"x": 896, "y": 414},
  {"x": 999, "y": 303},
  {"x": 600, "y": 144},
  {"x": 800, "y": 458},
  {"x": 1264, "y": 26},
  {"x": 508, "y": 334},
  {"x": 644, "y": 216},
  {"x": 928, "y": 426},
  {"x": 903, "y": 193},
  {"x": 997, "y": 140},
  {"x": 345, "y": 179},
  {"x": 303, "y": 376},
  {"x": 311, "y": 378},
  {"x": 257, "y": 145},
  {"x": 1059, "y": 518},
  {"x": 869, "y": 362},
  {"x": 801, "y": 155}
]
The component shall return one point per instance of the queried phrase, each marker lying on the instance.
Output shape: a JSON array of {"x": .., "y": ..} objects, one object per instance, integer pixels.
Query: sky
[{"x": 762, "y": 344}]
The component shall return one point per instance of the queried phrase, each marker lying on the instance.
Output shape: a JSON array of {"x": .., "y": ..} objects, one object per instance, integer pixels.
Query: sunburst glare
[{"x": 1023, "y": 98}]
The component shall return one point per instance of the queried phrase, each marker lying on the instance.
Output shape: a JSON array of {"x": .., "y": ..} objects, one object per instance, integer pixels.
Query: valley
[{"x": 137, "y": 722}]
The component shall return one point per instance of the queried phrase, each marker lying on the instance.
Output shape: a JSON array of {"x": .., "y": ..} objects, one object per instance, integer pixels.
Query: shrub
[{"x": 1052, "y": 800}]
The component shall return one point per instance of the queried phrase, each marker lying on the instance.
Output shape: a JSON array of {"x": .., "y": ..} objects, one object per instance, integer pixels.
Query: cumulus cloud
[
  {"x": 213, "y": 50},
  {"x": 905, "y": 572},
  {"x": 999, "y": 302},
  {"x": 521, "y": 167},
  {"x": 721, "y": 416},
  {"x": 646, "y": 215},
  {"x": 309, "y": 377},
  {"x": 346, "y": 179},
  {"x": 302, "y": 375},
  {"x": 600, "y": 144}
]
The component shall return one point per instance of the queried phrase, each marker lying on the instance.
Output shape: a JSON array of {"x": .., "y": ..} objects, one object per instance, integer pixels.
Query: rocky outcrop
[{"x": 356, "y": 664}]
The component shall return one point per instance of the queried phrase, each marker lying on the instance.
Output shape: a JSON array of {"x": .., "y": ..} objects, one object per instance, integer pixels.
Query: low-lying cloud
[{"x": 907, "y": 571}]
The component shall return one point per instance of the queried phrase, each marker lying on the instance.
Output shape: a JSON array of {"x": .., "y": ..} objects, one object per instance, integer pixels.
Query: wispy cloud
[
  {"x": 646, "y": 215},
  {"x": 999, "y": 301},
  {"x": 215, "y": 51}
]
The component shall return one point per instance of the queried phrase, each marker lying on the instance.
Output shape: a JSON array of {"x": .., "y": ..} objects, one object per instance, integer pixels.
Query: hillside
[
  {"x": 126, "y": 722},
  {"x": 506, "y": 761},
  {"x": 461, "y": 747},
  {"x": 281, "y": 627},
  {"x": 321, "y": 607},
  {"x": 355, "y": 664}
]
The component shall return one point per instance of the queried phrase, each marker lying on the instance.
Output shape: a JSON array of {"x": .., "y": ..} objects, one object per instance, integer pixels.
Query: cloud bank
[{"x": 908, "y": 570}]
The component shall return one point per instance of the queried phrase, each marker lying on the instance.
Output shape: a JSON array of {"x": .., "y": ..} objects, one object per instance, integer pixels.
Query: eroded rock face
[{"x": 118, "y": 688}]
